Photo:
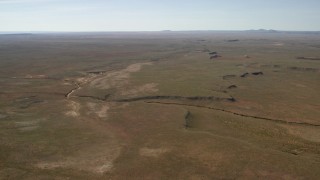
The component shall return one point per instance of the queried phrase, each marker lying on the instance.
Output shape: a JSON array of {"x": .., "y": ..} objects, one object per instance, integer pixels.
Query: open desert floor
[{"x": 160, "y": 105}]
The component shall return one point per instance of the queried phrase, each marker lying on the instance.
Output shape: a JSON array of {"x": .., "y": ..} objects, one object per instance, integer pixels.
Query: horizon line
[{"x": 137, "y": 31}]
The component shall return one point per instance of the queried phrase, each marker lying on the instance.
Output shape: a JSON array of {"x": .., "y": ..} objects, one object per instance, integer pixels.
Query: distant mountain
[
  {"x": 263, "y": 30},
  {"x": 286, "y": 32},
  {"x": 14, "y": 33}
]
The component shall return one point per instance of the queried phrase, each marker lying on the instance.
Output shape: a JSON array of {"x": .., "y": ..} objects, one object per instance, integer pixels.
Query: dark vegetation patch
[
  {"x": 309, "y": 58},
  {"x": 192, "y": 98},
  {"x": 232, "y": 87},
  {"x": 303, "y": 69},
  {"x": 213, "y": 53},
  {"x": 96, "y": 72},
  {"x": 294, "y": 151},
  {"x": 105, "y": 98},
  {"x": 291, "y": 67},
  {"x": 244, "y": 75},
  {"x": 215, "y": 56},
  {"x": 233, "y": 40},
  {"x": 253, "y": 73},
  {"x": 187, "y": 120},
  {"x": 270, "y": 66},
  {"x": 257, "y": 73},
  {"x": 239, "y": 114}
]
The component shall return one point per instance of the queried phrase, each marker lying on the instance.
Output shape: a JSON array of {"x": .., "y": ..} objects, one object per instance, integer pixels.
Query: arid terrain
[{"x": 160, "y": 105}]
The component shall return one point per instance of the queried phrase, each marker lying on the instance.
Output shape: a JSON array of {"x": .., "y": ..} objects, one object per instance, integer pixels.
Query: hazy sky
[{"x": 149, "y": 15}]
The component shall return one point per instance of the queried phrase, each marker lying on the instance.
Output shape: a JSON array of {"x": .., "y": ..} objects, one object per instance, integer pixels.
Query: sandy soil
[
  {"x": 98, "y": 109},
  {"x": 152, "y": 152},
  {"x": 74, "y": 109},
  {"x": 117, "y": 78},
  {"x": 307, "y": 133},
  {"x": 147, "y": 88},
  {"x": 96, "y": 159},
  {"x": 99, "y": 158},
  {"x": 28, "y": 125}
]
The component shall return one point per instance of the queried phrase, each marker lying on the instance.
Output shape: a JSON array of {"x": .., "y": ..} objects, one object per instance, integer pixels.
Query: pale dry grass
[
  {"x": 98, "y": 109},
  {"x": 307, "y": 133},
  {"x": 117, "y": 78},
  {"x": 74, "y": 109},
  {"x": 152, "y": 152},
  {"x": 95, "y": 159},
  {"x": 24, "y": 126},
  {"x": 147, "y": 88}
]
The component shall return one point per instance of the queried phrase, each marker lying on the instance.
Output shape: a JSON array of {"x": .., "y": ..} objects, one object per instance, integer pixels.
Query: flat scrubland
[{"x": 160, "y": 105}]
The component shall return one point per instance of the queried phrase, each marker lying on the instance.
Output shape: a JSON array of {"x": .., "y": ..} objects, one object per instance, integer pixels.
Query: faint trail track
[
  {"x": 142, "y": 98},
  {"x": 94, "y": 97},
  {"x": 196, "y": 98},
  {"x": 50, "y": 93},
  {"x": 73, "y": 90},
  {"x": 237, "y": 114}
]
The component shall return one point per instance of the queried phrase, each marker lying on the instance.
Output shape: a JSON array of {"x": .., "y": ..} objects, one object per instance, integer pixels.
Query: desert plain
[{"x": 160, "y": 105}]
